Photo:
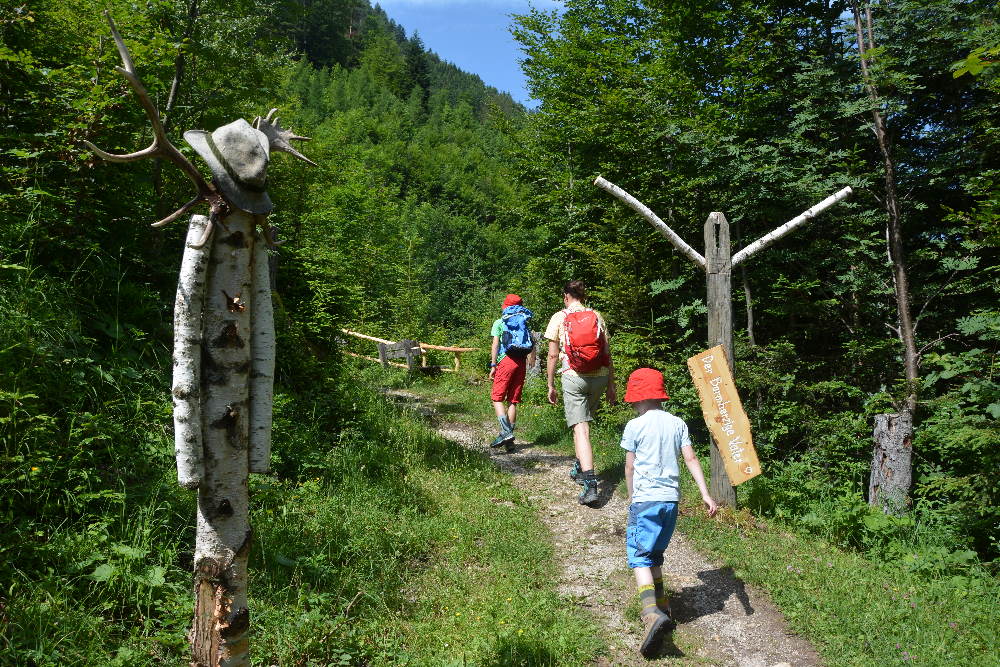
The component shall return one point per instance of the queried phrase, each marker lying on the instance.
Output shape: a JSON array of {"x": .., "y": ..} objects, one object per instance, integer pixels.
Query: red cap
[
  {"x": 644, "y": 384},
  {"x": 512, "y": 300}
]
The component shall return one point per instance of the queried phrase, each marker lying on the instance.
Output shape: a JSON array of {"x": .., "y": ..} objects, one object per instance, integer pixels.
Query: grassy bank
[
  {"x": 908, "y": 601},
  {"x": 376, "y": 541}
]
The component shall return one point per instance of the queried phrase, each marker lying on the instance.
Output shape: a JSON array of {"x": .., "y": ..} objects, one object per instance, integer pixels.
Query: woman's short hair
[{"x": 576, "y": 289}]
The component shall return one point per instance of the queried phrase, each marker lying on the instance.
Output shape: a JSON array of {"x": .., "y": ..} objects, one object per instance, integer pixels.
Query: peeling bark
[
  {"x": 889, "y": 486},
  {"x": 186, "y": 390},
  {"x": 221, "y": 620},
  {"x": 262, "y": 353}
]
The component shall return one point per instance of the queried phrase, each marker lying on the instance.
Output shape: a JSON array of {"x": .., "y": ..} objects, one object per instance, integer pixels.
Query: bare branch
[
  {"x": 652, "y": 218},
  {"x": 944, "y": 286},
  {"x": 931, "y": 344}
]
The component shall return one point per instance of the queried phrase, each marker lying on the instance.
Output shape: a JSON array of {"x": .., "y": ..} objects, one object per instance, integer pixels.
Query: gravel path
[{"x": 721, "y": 621}]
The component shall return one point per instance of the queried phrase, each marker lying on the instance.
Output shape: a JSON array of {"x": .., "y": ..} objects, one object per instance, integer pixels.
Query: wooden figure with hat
[{"x": 224, "y": 350}]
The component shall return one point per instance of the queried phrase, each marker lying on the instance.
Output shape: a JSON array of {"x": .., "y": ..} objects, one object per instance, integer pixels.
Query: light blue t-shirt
[{"x": 656, "y": 439}]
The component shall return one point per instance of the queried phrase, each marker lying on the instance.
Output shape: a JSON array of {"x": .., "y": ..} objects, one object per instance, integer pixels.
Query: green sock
[
  {"x": 662, "y": 601},
  {"x": 647, "y": 600}
]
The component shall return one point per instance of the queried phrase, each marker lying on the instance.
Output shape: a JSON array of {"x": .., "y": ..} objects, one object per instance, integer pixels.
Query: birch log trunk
[
  {"x": 221, "y": 619},
  {"x": 262, "y": 353},
  {"x": 186, "y": 390}
]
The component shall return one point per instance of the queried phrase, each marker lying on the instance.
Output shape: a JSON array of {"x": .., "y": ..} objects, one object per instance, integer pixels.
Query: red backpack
[{"x": 583, "y": 341}]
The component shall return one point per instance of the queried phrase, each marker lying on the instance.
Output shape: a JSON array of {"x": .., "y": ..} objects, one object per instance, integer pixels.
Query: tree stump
[{"x": 889, "y": 487}]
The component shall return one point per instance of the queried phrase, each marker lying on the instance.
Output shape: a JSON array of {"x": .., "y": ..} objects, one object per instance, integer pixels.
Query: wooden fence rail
[{"x": 408, "y": 349}]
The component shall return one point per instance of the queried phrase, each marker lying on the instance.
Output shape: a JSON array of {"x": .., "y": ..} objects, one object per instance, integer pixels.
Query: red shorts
[{"x": 508, "y": 381}]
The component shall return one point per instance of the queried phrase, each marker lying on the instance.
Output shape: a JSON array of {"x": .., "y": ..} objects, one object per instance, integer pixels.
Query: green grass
[
  {"x": 375, "y": 542},
  {"x": 855, "y": 609}
]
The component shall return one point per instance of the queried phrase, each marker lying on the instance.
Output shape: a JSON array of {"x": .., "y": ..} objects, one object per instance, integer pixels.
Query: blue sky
[{"x": 473, "y": 34}]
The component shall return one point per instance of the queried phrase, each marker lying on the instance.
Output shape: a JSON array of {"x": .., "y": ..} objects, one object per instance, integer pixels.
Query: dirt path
[{"x": 721, "y": 621}]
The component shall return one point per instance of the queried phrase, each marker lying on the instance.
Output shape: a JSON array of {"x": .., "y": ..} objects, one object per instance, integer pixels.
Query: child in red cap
[
  {"x": 512, "y": 345},
  {"x": 653, "y": 441}
]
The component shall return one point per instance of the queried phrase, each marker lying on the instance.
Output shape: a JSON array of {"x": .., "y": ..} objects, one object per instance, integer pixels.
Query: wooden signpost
[
  {"x": 718, "y": 263},
  {"x": 724, "y": 414}
]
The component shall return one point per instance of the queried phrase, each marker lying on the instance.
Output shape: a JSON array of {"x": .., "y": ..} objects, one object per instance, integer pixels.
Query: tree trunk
[
  {"x": 221, "y": 619},
  {"x": 747, "y": 297},
  {"x": 889, "y": 486},
  {"x": 897, "y": 258},
  {"x": 720, "y": 329}
]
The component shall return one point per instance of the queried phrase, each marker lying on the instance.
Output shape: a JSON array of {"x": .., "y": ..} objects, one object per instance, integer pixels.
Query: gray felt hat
[{"x": 238, "y": 155}]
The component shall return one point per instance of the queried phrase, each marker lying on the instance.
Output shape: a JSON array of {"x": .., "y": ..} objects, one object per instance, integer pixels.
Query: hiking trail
[{"x": 721, "y": 620}]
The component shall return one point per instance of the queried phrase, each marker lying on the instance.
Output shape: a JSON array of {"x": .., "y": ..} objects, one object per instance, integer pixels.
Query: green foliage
[
  {"x": 435, "y": 196},
  {"x": 758, "y": 110}
]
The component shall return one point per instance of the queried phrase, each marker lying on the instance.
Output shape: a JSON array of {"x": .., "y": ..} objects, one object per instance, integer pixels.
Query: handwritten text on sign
[{"x": 724, "y": 413}]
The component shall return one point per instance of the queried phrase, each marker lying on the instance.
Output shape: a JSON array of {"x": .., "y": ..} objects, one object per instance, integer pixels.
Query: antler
[
  {"x": 161, "y": 146},
  {"x": 279, "y": 137}
]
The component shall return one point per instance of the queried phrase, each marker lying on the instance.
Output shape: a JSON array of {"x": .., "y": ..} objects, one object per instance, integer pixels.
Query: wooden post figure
[
  {"x": 224, "y": 350},
  {"x": 718, "y": 265}
]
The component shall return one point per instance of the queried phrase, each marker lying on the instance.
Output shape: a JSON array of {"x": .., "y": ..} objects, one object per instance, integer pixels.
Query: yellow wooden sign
[{"x": 724, "y": 414}]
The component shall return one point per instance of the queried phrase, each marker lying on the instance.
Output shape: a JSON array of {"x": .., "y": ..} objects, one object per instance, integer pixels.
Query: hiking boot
[
  {"x": 657, "y": 625},
  {"x": 505, "y": 439},
  {"x": 574, "y": 472},
  {"x": 589, "y": 494}
]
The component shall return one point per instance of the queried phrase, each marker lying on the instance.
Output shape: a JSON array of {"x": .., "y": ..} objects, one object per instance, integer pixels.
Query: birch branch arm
[
  {"x": 262, "y": 353},
  {"x": 367, "y": 337},
  {"x": 790, "y": 226},
  {"x": 446, "y": 348},
  {"x": 186, "y": 389},
  {"x": 652, "y": 218}
]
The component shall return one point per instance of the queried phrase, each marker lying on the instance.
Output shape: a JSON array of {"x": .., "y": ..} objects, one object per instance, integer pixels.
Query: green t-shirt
[{"x": 497, "y": 331}]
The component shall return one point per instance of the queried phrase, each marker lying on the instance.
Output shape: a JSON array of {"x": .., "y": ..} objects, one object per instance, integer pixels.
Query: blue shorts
[{"x": 650, "y": 527}]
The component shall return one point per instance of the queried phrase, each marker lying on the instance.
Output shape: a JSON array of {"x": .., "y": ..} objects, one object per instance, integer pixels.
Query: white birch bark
[
  {"x": 653, "y": 219},
  {"x": 186, "y": 389},
  {"x": 262, "y": 353},
  {"x": 222, "y": 620},
  {"x": 790, "y": 226}
]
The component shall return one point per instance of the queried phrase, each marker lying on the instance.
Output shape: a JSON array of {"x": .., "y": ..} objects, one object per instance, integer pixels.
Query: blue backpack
[{"x": 515, "y": 340}]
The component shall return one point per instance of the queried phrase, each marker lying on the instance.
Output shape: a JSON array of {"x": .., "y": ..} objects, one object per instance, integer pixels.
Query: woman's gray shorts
[{"x": 581, "y": 396}]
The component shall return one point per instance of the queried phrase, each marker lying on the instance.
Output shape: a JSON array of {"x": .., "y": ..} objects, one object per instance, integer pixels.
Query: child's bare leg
[
  {"x": 643, "y": 576},
  {"x": 500, "y": 408},
  {"x": 512, "y": 413}
]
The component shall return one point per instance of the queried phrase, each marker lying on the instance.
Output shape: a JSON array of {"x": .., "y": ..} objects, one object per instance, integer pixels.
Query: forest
[{"x": 435, "y": 196}]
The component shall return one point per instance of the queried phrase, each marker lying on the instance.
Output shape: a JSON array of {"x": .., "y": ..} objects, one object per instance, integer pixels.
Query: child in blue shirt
[{"x": 653, "y": 441}]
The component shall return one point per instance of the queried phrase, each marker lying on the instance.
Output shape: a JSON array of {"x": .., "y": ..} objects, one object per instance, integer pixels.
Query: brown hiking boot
[{"x": 657, "y": 625}]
